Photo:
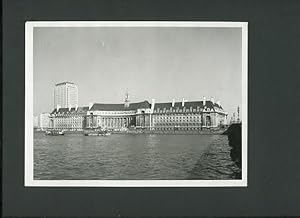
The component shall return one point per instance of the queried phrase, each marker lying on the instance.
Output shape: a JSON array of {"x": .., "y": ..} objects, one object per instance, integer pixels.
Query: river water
[{"x": 125, "y": 156}]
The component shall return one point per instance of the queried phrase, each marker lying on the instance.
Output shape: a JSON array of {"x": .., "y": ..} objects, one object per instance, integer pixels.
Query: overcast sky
[{"x": 161, "y": 63}]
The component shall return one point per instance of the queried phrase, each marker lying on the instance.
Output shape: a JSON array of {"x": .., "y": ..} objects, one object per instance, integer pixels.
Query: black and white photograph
[{"x": 136, "y": 103}]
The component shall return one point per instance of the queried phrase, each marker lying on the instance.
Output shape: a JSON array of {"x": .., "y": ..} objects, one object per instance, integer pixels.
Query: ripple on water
[
  {"x": 216, "y": 163},
  {"x": 133, "y": 157}
]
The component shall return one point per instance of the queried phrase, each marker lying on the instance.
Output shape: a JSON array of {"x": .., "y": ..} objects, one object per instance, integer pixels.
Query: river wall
[
  {"x": 234, "y": 133},
  {"x": 204, "y": 131},
  {"x": 172, "y": 132}
]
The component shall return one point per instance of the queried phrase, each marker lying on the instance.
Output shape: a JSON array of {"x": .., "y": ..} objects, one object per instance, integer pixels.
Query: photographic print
[{"x": 133, "y": 103}]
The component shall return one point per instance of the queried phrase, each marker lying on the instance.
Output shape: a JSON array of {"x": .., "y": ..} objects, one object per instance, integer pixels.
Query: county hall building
[{"x": 169, "y": 116}]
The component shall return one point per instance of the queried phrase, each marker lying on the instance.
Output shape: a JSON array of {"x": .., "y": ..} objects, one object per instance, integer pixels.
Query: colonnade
[{"x": 115, "y": 121}]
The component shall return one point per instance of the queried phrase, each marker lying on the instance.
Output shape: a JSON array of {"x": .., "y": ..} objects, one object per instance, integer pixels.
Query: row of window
[
  {"x": 174, "y": 129},
  {"x": 68, "y": 115},
  {"x": 191, "y": 109},
  {"x": 68, "y": 121},
  {"x": 176, "y": 115},
  {"x": 113, "y": 112},
  {"x": 181, "y": 118},
  {"x": 67, "y": 126},
  {"x": 177, "y": 124},
  {"x": 114, "y": 119}
]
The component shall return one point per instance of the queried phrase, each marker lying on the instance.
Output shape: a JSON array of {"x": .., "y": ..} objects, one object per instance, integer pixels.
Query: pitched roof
[
  {"x": 119, "y": 107},
  {"x": 63, "y": 83},
  {"x": 66, "y": 110},
  {"x": 137, "y": 105},
  {"x": 187, "y": 104}
]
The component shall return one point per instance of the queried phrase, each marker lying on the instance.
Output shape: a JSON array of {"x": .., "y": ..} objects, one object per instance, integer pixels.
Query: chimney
[
  {"x": 70, "y": 107},
  {"x": 152, "y": 104},
  {"x": 218, "y": 103},
  {"x": 90, "y": 106},
  {"x": 204, "y": 101},
  {"x": 57, "y": 107},
  {"x": 182, "y": 104},
  {"x": 212, "y": 100},
  {"x": 173, "y": 102},
  {"x": 76, "y": 107}
]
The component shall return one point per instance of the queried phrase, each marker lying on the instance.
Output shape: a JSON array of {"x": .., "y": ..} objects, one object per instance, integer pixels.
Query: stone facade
[
  {"x": 185, "y": 116},
  {"x": 69, "y": 119}
]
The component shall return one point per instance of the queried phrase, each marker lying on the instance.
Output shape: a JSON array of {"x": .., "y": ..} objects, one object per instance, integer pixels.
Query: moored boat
[
  {"x": 97, "y": 133},
  {"x": 54, "y": 133}
]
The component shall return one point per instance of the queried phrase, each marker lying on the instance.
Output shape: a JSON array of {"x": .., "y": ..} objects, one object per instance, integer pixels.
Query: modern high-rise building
[{"x": 65, "y": 95}]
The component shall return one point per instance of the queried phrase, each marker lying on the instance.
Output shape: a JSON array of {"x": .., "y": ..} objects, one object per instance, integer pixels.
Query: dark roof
[
  {"x": 188, "y": 104},
  {"x": 135, "y": 106},
  {"x": 63, "y": 83},
  {"x": 119, "y": 107},
  {"x": 66, "y": 110}
]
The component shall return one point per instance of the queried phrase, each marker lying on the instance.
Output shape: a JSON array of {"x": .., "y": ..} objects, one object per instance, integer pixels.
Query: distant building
[
  {"x": 65, "y": 95},
  {"x": 44, "y": 121},
  {"x": 35, "y": 121}
]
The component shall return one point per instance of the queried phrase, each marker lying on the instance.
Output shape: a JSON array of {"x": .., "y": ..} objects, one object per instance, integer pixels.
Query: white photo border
[{"x": 29, "y": 158}]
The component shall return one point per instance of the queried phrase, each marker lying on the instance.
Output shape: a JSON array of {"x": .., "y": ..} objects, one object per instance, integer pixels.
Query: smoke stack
[
  {"x": 204, "y": 101},
  {"x": 173, "y": 102},
  {"x": 183, "y": 101},
  {"x": 152, "y": 104},
  {"x": 90, "y": 106},
  {"x": 212, "y": 100}
]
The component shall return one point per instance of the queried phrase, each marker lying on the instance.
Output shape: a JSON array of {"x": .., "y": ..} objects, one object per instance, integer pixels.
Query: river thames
[{"x": 132, "y": 157}]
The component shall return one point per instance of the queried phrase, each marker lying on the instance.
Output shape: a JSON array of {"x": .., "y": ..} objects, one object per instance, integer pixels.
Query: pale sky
[{"x": 161, "y": 63}]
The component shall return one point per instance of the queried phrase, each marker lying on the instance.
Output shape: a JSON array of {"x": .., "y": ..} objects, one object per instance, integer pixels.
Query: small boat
[
  {"x": 54, "y": 133},
  {"x": 97, "y": 133}
]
